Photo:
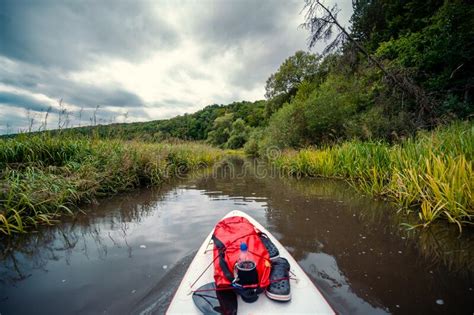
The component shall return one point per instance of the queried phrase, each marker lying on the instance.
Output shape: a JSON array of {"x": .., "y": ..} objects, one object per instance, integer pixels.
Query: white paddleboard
[{"x": 305, "y": 296}]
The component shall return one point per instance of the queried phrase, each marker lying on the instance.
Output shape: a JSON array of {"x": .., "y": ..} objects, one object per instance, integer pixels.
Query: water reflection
[
  {"x": 129, "y": 253},
  {"x": 324, "y": 268},
  {"x": 92, "y": 235},
  {"x": 441, "y": 243}
]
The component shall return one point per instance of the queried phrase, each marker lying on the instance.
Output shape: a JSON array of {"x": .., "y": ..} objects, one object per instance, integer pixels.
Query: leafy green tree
[
  {"x": 286, "y": 126},
  {"x": 238, "y": 135},
  {"x": 255, "y": 142},
  {"x": 377, "y": 21},
  {"x": 221, "y": 130},
  {"x": 330, "y": 107},
  {"x": 292, "y": 72},
  {"x": 275, "y": 103},
  {"x": 440, "y": 56}
]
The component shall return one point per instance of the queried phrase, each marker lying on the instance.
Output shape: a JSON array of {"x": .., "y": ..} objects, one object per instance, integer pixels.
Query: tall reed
[
  {"x": 431, "y": 174},
  {"x": 43, "y": 177}
]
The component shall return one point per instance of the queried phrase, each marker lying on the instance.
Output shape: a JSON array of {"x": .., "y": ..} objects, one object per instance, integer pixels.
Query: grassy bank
[
  {"x": 431, "y": 174},
  {"x": 44, "y": 177}
]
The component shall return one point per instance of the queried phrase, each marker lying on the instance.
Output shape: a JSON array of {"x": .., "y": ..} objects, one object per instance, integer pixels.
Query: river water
[{"x": 128, "y": 254}]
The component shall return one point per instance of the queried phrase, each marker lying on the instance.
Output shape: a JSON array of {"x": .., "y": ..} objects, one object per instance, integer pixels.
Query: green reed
[
  {"x": 431, "y": 174},
  {"x": 43, "y": 177}
]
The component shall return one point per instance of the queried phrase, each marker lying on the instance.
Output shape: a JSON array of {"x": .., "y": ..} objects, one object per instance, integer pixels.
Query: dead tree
[{"x": 321, "y": 22}]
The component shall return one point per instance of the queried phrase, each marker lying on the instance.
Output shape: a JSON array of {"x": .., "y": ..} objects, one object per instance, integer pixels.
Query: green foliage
[
  {"x": 253, "y": 145},
  {"x": 330, "y": 106},
  {"x": 326, "y": 112},
  {"x": 286, "y": 127},
  {"x": 428, "y": 43},
  {"x": 238, "y": 135},
  {"x": 374, "y": 22},
  {"x": 375, "y": 124},
  {"x": 292, "y": 72},
  {"x": 275, "y": 103},
  {"x": 195, "y": 126},
  {"x": 221, "y": 130},
  {"x": 439, "y": 55}
]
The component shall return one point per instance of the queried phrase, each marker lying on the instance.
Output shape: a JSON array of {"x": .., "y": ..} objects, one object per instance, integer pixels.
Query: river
[{"x": 128, "y": 254}]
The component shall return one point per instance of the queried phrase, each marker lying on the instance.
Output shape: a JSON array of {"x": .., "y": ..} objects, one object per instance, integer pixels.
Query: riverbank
[
  {"x": 430, "y": 175},
  {"x": 44, "y": 177}
]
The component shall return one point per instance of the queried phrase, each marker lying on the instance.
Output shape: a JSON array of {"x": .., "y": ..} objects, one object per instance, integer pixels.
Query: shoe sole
[
  {"x": 278, "y": 297},
  {"x": 275, "y": 257},
  {"x": 269, "y": 240}
]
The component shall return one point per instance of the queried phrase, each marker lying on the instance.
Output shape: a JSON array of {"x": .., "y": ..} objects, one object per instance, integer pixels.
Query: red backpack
[{"x": 229, "y": 233}]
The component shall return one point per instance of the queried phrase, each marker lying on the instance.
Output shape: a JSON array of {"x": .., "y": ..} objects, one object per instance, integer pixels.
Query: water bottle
[
  {"x": 246, "y": 271},
  {"x": 244, "y": 253}
]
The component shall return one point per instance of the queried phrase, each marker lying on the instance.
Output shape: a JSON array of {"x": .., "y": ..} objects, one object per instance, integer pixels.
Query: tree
[
  {"x": 331, "y": 106},
  {"x": 286, "y": 126},
  {"x": 238, "y": 135},
  {"x": 321, "y": 21},
  {"x": 292, "y": 72},
  {"x": 221, "y": 130},
  {"x": 439, "y": 56},
  {"x": 377, "y": 21}
]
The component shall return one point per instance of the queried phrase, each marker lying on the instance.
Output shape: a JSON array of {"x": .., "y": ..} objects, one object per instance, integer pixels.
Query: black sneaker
[
  {"x": 279, "y": 288},
  {"x": 271, "y": 248}
]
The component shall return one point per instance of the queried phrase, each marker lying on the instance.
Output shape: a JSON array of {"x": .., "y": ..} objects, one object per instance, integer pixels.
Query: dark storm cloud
[
  {"x": 82, "y": 95},
  {"x": 227, "y": 23},
  {"x": 22, "y": 101},
  {"x": 255, "y": 70},
  {"x": 71, "y": 34},
  {"x": 261, "y": 33},
  {"x": 26, "y": 81},
  {"x": 85, "y": 95},
  {"x": 52, "y": 83}
]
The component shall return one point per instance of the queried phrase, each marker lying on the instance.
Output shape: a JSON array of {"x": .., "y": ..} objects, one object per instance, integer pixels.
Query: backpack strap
[{"x": 222, "y": 262}]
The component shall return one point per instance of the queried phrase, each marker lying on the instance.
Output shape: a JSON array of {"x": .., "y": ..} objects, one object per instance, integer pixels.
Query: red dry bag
[{"x": 228, "y": 234}]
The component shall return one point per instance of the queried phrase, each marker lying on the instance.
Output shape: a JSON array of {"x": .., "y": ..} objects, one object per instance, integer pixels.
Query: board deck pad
[{"x": 211, "y": 301}]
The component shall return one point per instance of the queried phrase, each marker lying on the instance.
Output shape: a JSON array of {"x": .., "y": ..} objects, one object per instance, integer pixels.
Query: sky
[{"x": 125, "y": 61}]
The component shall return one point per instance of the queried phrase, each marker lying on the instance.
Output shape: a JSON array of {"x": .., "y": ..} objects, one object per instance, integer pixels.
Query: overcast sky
[{"x": 140, "y": 60}]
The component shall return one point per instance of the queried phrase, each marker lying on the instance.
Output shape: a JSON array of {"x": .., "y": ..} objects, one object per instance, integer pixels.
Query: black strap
[{"x": 225, "y": 268}]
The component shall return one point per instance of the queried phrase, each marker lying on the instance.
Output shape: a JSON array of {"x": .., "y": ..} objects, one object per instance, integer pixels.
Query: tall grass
[
  {"x": 431, "y": 174},
  {"x": 43, "y": 177}
]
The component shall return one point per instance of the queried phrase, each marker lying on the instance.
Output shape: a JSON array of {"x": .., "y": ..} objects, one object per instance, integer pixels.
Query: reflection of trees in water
[
  {"x": 22, "y": 253},
  {"x": 35, "y": 250},
  {"x": 441, "y": 243}
]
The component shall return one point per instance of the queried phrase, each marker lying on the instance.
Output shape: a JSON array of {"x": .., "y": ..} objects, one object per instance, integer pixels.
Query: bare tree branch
[{"x": 321, "y": 21}]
